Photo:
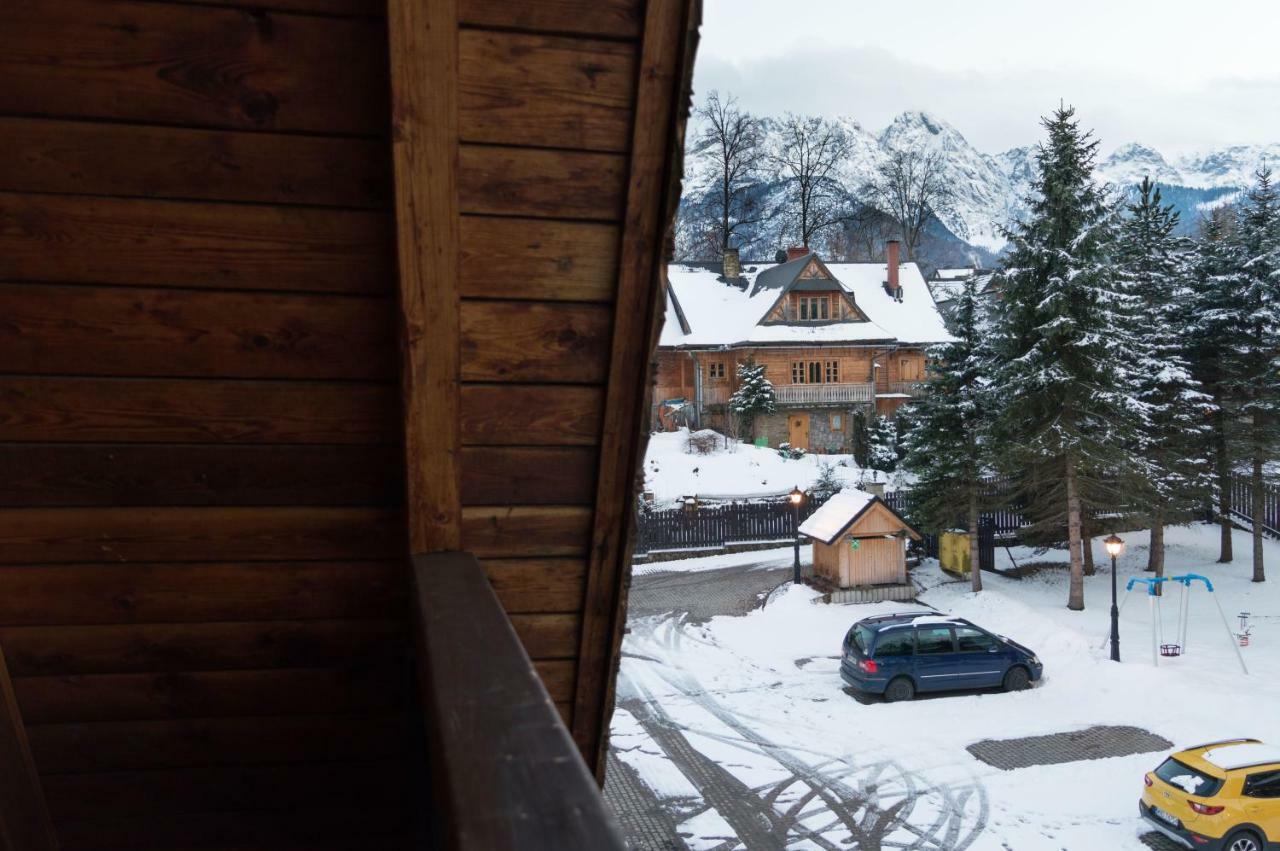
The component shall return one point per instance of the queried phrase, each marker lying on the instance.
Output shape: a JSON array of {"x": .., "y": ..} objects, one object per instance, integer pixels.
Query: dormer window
[{"x": 814, "y": 308}]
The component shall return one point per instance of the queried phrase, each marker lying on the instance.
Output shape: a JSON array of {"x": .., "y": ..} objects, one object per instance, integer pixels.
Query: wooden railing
[
  {"x": 1268, "y": 514},
  {"x": 905, "y": 388},
  {"x": 503, "y": 769},
  {"x": 818, "y": 394}
]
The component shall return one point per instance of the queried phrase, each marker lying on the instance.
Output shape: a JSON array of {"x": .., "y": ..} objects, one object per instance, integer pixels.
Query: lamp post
[
  {"x": 797, "y": 497},
  {"x": 1115, "y": 546}
]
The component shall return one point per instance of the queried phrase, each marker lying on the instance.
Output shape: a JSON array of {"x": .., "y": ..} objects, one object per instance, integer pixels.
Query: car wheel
[
  {"x": 1242, "y": 840},
  {"x": 900, "y": 689},
  {"x": 1017, "y": 679}
]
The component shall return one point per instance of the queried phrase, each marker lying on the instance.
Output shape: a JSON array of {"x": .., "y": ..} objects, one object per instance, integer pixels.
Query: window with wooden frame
[
  {"x": 815, "y": 372},
  {"x": 833, "y": 372},
  {"x": 797, "y": 372},
  {"x": 837, "y": 422},
  {"x": 716, "y": 371},
  {"x": 814, "y": 308}
]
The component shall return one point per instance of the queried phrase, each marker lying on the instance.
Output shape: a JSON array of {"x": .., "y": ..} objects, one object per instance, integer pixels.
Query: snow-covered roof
[
  {"x": 834, "y": 515},
  {"x": 719, "y": 313},
  {"x": 952, "y": 274},
  {"x": 1242, "y": 754}
]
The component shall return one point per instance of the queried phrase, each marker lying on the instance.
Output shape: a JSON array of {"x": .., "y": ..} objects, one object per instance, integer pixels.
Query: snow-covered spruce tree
[
  {"x": 1209, "y": 334},
  {"x": 1063, "y": 377},
  {"x": 882, "y": 444},
  {"x": 947, "y": 445},
  {"x": 753, "y": 397},
  {"x": 1253, "y": 362},
  {"x": 1172, "y": 440}
]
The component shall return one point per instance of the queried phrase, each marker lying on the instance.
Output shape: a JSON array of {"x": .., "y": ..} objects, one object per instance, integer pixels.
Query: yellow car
[{"x": 1223, "y": 796}]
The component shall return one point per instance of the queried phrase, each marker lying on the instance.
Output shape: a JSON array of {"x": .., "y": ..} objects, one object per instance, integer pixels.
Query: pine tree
[
  {"x": 1169, "y": 444},
  {"x": 1253, "y": 367},
  {"x": 1063, "y": 379},
  {"x": 754, "y": 395},
  {"x": 947, "y": 446},
  {"x": 882, "y": 438}
]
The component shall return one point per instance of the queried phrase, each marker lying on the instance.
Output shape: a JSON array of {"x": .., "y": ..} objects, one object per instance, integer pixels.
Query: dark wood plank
[
  {"x": 548, "y": 636},
  {"x": 95, "y": 158},
  {"x": 185, "y": 593},
  {"x": 496, "y": 475},
  {"x": 537, "y": 585},
  {"x": 43, "y": 535},
  {"x": 163, "y": 243},
  {"x": 193, "y": 65},
  {"x": 666, "y": 70},
  {"x": 557, "y": 677},
  {"x": 180, "y": 411},
  {"x": 24, "y": 819},
  {"x": 209, "y": 694},
  {"x": 46, "y": 651},
  {"x": 82, "y": 330},
  {"x": 541, "y": 184},
  {"x": 356, "y": 8},
  {"x": 538, "y": 259},
  {"x": 128, "y": 745},
  {"x": 533, "y": 341},
  {"x": 483, "y": 704},
  {"x": 620, "y": 18},
  {"x": 519, "y": 89},
  {"x": 424, "y": 144},
  {"x": 505, "y": 414},
  {"x": 522, "y": 531}
]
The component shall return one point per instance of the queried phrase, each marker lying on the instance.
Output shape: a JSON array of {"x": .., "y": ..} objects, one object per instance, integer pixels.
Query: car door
[
  {"x": 1262, "y": 802},
  {"x": 895, "y": 646},
  {"x": 935, "y": 658},
  {"x": 980, "y": 659}
]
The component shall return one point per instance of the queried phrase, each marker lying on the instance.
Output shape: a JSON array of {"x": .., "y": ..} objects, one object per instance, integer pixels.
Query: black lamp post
[
  {"x": 1115, "y": 546},
  {"x": 797, "y": 497}
]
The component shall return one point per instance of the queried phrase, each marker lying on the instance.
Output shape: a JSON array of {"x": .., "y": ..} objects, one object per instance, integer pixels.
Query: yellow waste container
[{"x": 953, "y": 553}]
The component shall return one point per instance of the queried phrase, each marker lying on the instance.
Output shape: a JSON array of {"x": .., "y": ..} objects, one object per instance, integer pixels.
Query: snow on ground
[
  {"x": 742, "y": 470},
  {"x": 774, "y": 675},
  {"x": 752, "y": 560}
]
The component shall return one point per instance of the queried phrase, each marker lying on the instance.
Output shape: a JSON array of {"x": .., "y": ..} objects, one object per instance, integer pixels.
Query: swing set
[{"x": 1154, "y": 603}]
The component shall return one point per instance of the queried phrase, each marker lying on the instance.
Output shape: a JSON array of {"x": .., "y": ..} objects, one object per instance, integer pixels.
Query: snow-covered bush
[{"x": 789, "y": 452}]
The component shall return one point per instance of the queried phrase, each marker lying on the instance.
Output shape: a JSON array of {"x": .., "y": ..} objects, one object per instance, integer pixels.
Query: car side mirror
[{"x": 993, "y": 649}]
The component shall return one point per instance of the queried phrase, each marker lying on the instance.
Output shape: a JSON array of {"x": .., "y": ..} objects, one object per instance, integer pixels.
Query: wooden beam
[
  {"x": 424, "y": 142},
  {"x": 24, "y": 817},
  {"x": 666, "y": 63}
]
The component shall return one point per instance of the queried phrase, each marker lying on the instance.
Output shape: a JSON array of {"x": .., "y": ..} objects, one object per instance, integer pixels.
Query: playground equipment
[
  {"x": 1245, "y": 629},
  {"x": 1155, "y": 599}
]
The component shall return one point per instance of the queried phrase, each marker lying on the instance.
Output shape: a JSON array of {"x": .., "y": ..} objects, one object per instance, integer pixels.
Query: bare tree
[
  {"x": 807, "y": 157},
  {"x": 910, "y": 186},
  {"x": 732, "y": 140}
]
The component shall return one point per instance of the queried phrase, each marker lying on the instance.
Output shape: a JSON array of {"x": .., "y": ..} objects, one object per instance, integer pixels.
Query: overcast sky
[{"x": 1175, "y": 74}]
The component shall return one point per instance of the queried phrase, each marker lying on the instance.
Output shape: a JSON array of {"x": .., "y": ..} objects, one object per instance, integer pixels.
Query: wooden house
[
  {"x": 859, "y": 542},
  {"x": 835, "y": 339},
  {"x": 323, "y": 373}
]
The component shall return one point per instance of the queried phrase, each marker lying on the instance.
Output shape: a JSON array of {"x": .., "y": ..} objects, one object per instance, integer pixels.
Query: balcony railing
[
  {"x": 904, "y": 388},
  {"x": 822, "y": 394}
]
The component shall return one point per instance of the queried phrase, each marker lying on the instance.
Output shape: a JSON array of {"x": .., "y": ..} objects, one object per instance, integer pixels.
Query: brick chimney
[
  {"x": 796, "y": 251},
  {"x": 893, "y": 252},
  {"x": 732, "y": 264}
]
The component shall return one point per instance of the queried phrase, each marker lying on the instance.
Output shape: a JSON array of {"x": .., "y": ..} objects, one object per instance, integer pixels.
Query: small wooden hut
[{"x": 859, "y": 542}]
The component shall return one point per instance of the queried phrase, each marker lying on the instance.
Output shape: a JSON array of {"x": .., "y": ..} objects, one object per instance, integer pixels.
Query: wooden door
[{"x": 798, "y": 430}]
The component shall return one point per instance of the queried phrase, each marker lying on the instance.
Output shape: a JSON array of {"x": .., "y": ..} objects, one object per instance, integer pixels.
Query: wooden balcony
[
  {"x": 822, "y": 394},
  {"x": 901, "y": 388}
]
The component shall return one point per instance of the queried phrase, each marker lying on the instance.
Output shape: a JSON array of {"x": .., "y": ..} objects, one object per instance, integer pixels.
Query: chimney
[
  {"x": 732, "y": 265},
  {"x": 893, "y": 250},
  {"x": 797, "y": 251}
]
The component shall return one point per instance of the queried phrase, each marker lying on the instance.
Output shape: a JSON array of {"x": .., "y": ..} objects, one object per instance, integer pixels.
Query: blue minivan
[{"x": 901, "y": 654}]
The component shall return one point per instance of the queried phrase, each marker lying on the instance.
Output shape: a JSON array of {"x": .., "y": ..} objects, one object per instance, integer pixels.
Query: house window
[
  {"x": 815, "y": 372},
  {"x": 715, "y": 371},
  {"x": 797, "y": 372},
  {"x": 833, "y": 372},
  {"x": 814, "y": 308},
  {"x": 837, "y": 422}
]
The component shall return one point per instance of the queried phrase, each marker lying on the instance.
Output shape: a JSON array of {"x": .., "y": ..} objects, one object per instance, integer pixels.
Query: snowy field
[{"x": 759, "y": 699}]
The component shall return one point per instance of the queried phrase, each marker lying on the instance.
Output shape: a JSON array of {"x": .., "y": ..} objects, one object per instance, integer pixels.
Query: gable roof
[
  {"x": 834, "y": 517},
  {"x": 722, "y": 314}
]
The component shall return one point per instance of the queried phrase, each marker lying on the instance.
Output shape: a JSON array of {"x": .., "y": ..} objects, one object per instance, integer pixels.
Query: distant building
[{"x": 947, "y": 284}]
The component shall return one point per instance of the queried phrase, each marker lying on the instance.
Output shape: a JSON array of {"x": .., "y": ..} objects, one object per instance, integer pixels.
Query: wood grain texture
[
  {"x": 24, "y": 818},
  {"x": 548, "y": 636},
  {"x": 541, "y": 184},
  {"x": 43, "y": 535},
  {"x": 208, "y": 694},
  {"x": 95, "y": 158},
  {"x": 507, "y": 414},
  {"x": 530, "y": 341},
  {"x": 619, "y": 18},
  {"x": 524, "y": 475},
  {"x": 186, "y": 593},
  {"x": 519, "y": 89},
  {"x": 163, "y": 243},
  {"x": 193, "y": 65},
  {"x": 424, "y": 74},
  {"x": 538, "y": 259},
  {"x": 537, "y": 585},
  {"x": 180, "y": 411},
  {"x": 526, "y": 532},
  {"x": 666, "y": 68},
  {"x": 126, "y": 331},
  {"x": 354, "y": 8}
]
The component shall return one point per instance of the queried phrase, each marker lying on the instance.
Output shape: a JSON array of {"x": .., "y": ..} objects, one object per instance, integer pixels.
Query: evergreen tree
[
  {"x": 947, "y": 446},
  {"x": 882, "y": 439},
  {"x": 1252, "y": 361},
  {"x": 1170, "y": 442},
  {"x": 1064, "y": 380},
  {"x": 754, "y": 395}
]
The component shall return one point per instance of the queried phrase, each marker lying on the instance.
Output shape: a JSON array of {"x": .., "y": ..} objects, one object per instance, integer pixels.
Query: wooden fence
[{"x": 1242, "y": 504}]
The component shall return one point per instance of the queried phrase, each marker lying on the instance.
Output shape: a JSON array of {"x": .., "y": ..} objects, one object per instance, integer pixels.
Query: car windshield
[{"x": 1188, "y": 779}]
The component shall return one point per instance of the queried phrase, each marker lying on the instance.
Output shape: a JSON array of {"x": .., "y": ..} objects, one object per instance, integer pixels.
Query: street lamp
[
  {"x": 1115, "y": 546},
  {"x": 797, "y": 497}
]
